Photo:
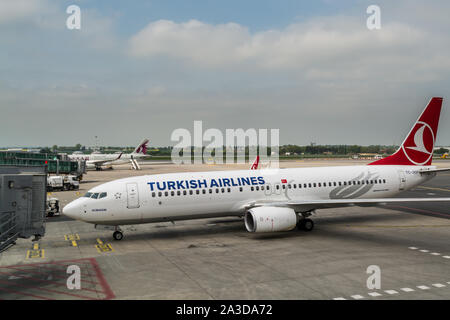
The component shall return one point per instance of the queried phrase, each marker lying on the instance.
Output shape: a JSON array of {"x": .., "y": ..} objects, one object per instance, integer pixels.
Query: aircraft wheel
[
  {"x": 305, "y": 225},
  {"x": 308, "y": 225},
  {"x": 117, "y": 235}
]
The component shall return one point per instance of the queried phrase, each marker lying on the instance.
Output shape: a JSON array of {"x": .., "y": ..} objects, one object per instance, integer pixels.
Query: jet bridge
[{"x": 22, "y": 203}]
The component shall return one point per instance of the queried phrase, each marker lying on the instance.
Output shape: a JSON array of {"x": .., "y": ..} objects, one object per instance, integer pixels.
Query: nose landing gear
[{"x": 118, "y": 234}]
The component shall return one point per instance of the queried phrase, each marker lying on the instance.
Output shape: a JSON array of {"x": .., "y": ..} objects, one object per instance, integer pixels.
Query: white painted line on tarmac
[
  {"x": 438, "y": 285},
  {"x": 391, "y": 291},
  {"x": 374, "y": 294},
  {"x": 423, "y": 287},
  {"x": 412, "y": 248},
  {"x": 446, "y": 257},
  {"x": 339, "y": 298},
  {"x": 407, "y": 289},
  {"x": 424, "y": 250},
  {"x": 357, "y": 297},
  {"x": 435, "y": 253}
]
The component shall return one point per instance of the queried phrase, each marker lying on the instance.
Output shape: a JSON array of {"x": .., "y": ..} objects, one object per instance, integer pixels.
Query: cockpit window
[
  {"x": 88, "y": 195},
  {"x": 94, "y": 196},
  {"x": 102, "y": 195}
]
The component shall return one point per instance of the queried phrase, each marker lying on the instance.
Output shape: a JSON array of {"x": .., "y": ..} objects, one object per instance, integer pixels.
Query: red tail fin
[
  {"x": 417, "y": 149},
  {"x": 255, "y": 164}
]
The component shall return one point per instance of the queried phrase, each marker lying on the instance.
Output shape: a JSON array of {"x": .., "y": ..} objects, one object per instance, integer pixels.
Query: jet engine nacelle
[{"x": 270, "y": 219}]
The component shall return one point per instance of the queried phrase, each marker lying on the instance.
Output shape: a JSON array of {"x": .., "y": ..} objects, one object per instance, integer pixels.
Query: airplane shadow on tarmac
[{"x": 348, "y": 230}]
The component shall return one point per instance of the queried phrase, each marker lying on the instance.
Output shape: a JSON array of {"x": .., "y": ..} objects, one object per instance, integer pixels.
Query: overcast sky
[{"x": 140, "y": 69}]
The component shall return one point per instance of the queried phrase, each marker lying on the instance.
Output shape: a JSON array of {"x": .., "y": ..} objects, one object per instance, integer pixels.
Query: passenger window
[
  {"x": 184, "y": 192},
  {"x": 257, "y": 188},
  {"x": 204, "y": 191},
  {"x": 166, "y": 193},
  {"x": 178, "y": 193},
  {"x": 153, "y": 194},
  {"x": 210, "y": 190},
  {"x": 345, "y": 183},
  {"x": 223, "y": 190},
  {"x": 191, "y": 192},
  {"x": 197, "y": 191},
  {"x": 309, "y": 185},
  {"x": 384, "y": 180},
  {"x": 252, "y": 189},
  {"x": 278, "y": 187},
  {"x": 284, "y": 186},
  {"x": 160, "y": 194},
  {"x": 217, "y": 190},
  {"x": 228, "y": 189},
  {"x": 295, "y": 186},
  {"x": 268, "y": 188},
  {"x": 320, "y": 184}
]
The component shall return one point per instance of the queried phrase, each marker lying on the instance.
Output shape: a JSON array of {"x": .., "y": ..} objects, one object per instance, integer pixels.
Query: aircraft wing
[
  {"x": 434, "y": 170},
  {"x": 307, "y": 205}
]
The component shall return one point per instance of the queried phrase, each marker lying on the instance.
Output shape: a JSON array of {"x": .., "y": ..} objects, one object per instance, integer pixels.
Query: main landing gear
[
  {"x": 305, "y": 223},
  {"x": 118, "y": 234}
]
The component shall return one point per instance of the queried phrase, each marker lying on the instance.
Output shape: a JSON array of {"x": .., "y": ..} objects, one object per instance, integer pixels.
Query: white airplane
[
  {"x": 269, "y": 200},
  {"x": 97, "y": 160}
]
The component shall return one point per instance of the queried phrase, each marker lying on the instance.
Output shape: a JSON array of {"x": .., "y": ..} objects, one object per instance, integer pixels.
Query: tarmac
[{"x": 407, "y": 246}]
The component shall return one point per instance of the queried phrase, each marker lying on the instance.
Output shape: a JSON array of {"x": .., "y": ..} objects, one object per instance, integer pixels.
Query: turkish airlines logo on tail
[{"x": 418, "y": 147}]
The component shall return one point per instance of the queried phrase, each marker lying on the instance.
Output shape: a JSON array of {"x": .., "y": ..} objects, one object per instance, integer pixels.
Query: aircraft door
[
  {"x": 402, "y": 182},
  {"x": 132, "y": 196}
]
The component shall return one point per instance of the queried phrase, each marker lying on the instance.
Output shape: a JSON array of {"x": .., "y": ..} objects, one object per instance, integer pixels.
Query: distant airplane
[
  {"x": 97, "y": 160},
  {"x": 270, "y": 200}
]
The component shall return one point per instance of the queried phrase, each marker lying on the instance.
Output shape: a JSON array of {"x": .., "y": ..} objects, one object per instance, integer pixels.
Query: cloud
[
  {"x": 17, "y": 10},
  {"x": 298, "y": 46},
  {"x": 193, "y": 40}
]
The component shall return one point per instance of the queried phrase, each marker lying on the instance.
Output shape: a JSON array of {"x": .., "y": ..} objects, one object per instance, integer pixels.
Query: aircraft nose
[{"x": 72, "y": 210}]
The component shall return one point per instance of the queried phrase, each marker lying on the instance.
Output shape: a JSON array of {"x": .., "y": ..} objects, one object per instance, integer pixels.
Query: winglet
[
  {"x": 255, "y": 164},
  {"x": 417, "y": 148}
]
